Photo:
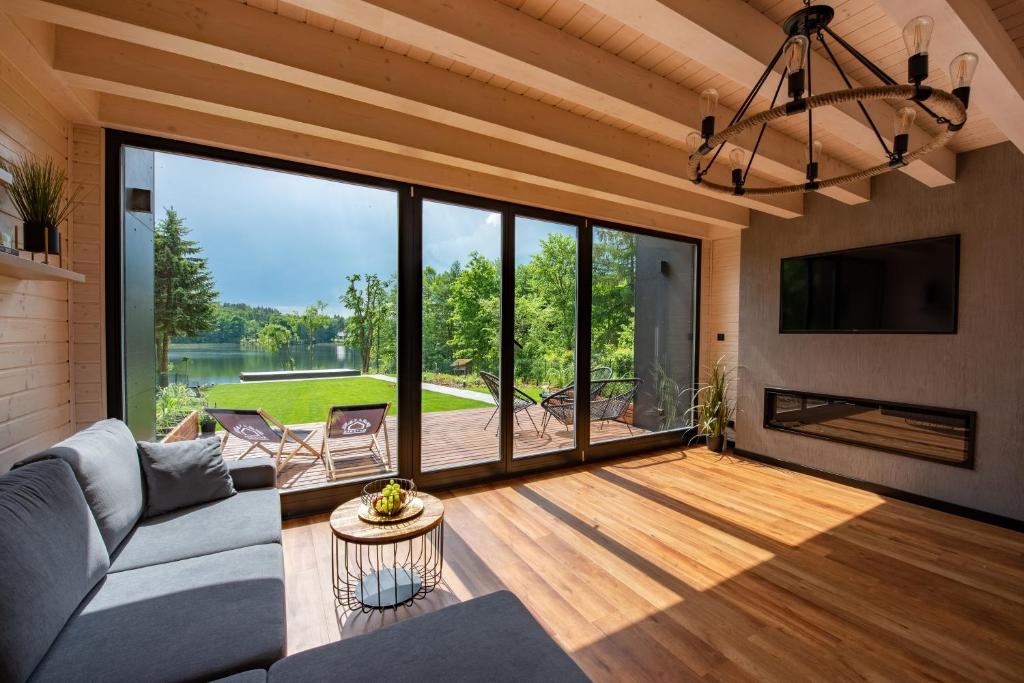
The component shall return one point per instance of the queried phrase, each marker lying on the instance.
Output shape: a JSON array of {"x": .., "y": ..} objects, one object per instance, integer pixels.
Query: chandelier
[{"x": 811, "y": 23}]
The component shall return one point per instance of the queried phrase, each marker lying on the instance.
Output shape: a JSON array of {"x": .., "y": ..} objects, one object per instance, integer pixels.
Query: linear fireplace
[{"x": 939, "y": 434}]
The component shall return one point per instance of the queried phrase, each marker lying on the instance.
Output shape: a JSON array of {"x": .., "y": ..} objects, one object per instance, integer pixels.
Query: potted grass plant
[
  {"x": 712, "y": 409},
  {"x": 39, "y": 192}
]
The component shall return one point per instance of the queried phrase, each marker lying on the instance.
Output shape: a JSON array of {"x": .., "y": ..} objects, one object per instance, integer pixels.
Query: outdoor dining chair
[
  {"x": 521, "y": 401},
  {"x": 609, "y": 401},
  {"x": 257, "y": 427},
  {"x": 345, "y": 422}
]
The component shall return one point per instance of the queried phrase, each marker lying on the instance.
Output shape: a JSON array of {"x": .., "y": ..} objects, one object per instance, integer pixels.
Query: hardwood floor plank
[{"x": 686, "y": 565}]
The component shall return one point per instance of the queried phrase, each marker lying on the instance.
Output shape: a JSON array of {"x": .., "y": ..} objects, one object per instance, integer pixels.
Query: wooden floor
[
  {"x": 449, "y": 439},
  {"x": 691, "y": 566}
]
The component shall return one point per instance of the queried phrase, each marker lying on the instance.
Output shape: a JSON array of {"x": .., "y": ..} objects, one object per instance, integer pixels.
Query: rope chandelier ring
[{"x": 952, "y": 109}]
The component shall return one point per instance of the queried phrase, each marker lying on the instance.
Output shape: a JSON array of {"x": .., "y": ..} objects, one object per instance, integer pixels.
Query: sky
[{"x": 285, "y": 240}]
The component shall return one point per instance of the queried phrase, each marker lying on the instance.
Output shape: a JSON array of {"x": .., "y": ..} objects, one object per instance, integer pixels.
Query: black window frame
[{"x": 410, "y": 243}]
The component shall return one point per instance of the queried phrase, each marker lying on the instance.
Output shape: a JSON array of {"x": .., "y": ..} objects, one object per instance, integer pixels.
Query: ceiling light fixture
[{"x": 812, "y": 22}]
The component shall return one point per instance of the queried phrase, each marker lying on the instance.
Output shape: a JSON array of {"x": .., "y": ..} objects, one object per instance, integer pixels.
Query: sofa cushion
[
  {"x": 247, "y": 518},
  {"x": 196, "y": 619},
  {"x": 183, "y": 473},
  {"x": 253, "y": 676},
  {"x": 493, "y": 638},
  {"x": 252, "y": 473},
  {"x": 106, "y": 463},
  {"x": 51, "y": 556}
]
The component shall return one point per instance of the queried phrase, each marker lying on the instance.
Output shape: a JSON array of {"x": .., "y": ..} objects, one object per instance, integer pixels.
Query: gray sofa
[{"x": 91, "y": 591}]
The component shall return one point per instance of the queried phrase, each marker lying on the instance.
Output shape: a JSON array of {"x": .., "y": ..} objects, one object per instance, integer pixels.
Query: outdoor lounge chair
[
  {"x": 344, "y": 422},
  {"x": 609, "y": 400},
  {"x": 254, "y": 427},
  {"x": 520, "y": 400}
]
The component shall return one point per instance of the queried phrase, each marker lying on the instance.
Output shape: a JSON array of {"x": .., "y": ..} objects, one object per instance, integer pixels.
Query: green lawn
[{"x": 307, "y": 401}]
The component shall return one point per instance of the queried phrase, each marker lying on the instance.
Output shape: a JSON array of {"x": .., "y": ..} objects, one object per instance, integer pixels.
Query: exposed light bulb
[
  {"x": 737, "y": 159},
  {"x": 904, "y": 120},
  {"x": 693, "y": 142},
  {"x": 796, "y": 53},
  {"x": 708, "y": 102},
  {"x": 814, "y": 153},
  {"x": 962, "y": 68},
  {"x": 917, "y": 34}
]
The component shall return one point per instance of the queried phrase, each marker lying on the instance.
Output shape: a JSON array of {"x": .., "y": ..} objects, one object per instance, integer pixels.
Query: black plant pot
[
  {"x": 35, "y": 237},
  {"x": 207, "y": 427},
  {"x": 716, "y": 443}
]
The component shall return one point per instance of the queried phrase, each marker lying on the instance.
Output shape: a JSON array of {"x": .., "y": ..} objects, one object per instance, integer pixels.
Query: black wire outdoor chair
[
  {"x": 521, "y": 401},
  {"x": 609, "y": 401}
]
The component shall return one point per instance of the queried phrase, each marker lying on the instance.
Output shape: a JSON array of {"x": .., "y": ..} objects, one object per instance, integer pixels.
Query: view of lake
[{"x": 221, "y": 363}]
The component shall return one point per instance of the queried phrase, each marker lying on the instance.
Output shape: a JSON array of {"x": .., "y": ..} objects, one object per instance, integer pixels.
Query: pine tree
[{"x": 184, "y": 298}]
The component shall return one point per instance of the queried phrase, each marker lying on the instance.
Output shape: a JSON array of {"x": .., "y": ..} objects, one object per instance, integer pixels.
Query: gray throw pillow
[{"x": 183, "y": 473}]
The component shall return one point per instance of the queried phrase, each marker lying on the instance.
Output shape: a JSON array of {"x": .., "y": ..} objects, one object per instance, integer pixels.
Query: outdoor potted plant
[
  {"x": 712, "y": 407},
  {"x": 207, "y": 425},
  {"x": 38, "y": 190}
]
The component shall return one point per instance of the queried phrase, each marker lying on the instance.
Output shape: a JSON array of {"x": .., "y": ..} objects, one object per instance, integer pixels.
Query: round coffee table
[{"x": 388, "y": 565}]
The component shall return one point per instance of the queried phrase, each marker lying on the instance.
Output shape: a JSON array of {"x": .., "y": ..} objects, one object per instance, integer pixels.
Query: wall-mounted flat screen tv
[{"x": 906, "y": 287}]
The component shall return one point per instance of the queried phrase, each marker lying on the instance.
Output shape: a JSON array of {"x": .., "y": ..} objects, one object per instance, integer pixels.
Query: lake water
[{"x": 221, "y": 363}]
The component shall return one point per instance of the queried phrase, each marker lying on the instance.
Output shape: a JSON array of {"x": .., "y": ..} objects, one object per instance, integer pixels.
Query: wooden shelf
[
  {"x": 24, "y": 269},
  {"x": 5, "y": 178}
]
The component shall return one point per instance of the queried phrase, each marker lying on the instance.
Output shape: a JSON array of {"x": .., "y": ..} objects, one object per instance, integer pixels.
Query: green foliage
[
  {"x": 273, "y": 337},
  {"x": 313, "y": 320},
  {"x": 241, "y": 323},
  {"x": 476, "y": 313},
  {"x": 184, "y": 298},
  {"x": 711, "y": 405},
  {"x": 308, "y": 401},
  {"x": 173, "y": 404},
  {"x": 371, "y": 325},
  {"x": 38, "y": 190}
]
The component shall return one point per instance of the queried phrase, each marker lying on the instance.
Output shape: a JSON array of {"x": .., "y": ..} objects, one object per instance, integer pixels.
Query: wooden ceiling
[{"x": 582, "y": 106}]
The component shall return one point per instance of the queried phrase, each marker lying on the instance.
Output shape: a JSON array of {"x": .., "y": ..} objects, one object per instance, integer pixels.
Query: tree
[
  {"x": 184, "y": 298},
  {"x": 476, "y": 313},
  {"x": 370, "y": 307},
  {"x": 273, "y": 337},
  {"x": 313, "y": 320}
]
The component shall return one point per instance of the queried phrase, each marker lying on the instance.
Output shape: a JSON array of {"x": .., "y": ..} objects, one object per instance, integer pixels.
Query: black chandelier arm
[
  {"x": 760, "y": 134},
  {"x": 879, "y": 73},
  {"x": 953, "y": 109},
  {"x": 863, "y": 109}
]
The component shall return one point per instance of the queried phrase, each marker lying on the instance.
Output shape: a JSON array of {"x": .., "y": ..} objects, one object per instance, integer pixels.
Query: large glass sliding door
[
  {"x": 513, "y": 338},
  {"x": 643, "y": 332},
  {"x": 460, "y": 422}
]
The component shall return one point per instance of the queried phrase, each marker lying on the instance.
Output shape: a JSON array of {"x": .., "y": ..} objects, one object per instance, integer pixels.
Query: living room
[{"x": 511, "y": 340}]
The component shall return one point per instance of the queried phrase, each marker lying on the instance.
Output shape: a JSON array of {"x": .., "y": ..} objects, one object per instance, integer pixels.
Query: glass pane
[
  {"x": 461, "y": 326},
  {"x": 289, "y": 308},
  {"x": 545, "y": 336},
  {"x": 643, "y": 332}
]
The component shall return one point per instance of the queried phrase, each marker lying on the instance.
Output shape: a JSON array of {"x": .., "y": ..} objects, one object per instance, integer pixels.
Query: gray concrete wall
[{"x": 980, "y": 368}]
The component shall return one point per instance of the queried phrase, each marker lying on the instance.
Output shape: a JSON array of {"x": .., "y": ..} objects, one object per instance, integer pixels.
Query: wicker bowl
[{"x": 372, "y": 492}]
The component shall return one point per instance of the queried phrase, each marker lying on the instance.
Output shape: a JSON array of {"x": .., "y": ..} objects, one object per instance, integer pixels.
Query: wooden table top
[{"x": 347, "y": 526}]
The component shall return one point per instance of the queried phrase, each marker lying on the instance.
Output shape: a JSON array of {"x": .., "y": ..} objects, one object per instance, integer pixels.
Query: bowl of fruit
[{"x": 388, "y": 497}]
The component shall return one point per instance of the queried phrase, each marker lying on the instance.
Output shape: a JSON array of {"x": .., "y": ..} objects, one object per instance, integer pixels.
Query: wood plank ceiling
[{"x": 576, "y": 105}]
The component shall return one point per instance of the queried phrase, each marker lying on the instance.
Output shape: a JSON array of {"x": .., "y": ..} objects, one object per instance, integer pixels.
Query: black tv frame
[{"x": 956, "y": 288}]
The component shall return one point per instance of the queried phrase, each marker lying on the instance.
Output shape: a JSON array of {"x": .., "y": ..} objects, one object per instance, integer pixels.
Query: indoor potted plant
[
  {"x": 712, "y": 408},
  {"x": 38, "y": 190}
]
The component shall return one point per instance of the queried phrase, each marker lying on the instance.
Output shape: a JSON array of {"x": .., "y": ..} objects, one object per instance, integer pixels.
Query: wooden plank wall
[
  {"x": 720, "y": 302},
  {"x": 35, "y": 374},
  {"x": 88, "y": 366}
]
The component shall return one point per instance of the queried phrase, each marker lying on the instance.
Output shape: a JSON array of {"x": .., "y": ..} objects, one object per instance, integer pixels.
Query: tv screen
[{"x": 902, "y": 287}]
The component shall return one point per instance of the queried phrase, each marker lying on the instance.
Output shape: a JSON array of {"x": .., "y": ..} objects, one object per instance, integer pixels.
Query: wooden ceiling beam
[
  {"x": 28, "y": 45},
  {"x": 499, "y": 39},
  {"x": 734, "y": 39},
  {"x": 232, "y": 34},
  {"x": 194, "y": 126},
  {"x": 971, "y": 26},
  {"x": 127, "y": 69}
]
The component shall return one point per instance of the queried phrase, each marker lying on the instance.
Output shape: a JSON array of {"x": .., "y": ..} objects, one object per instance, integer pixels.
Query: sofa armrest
[{"x": 254, "y": 473}]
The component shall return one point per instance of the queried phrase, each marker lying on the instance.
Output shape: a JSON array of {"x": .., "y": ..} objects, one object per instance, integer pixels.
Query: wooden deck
[{"x": 449, "y": 439}]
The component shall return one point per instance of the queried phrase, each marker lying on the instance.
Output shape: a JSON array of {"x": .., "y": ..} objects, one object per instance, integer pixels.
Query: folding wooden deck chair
[
  {"x": 345, "y": 422},
  {"x": 254, "y": 427}
]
